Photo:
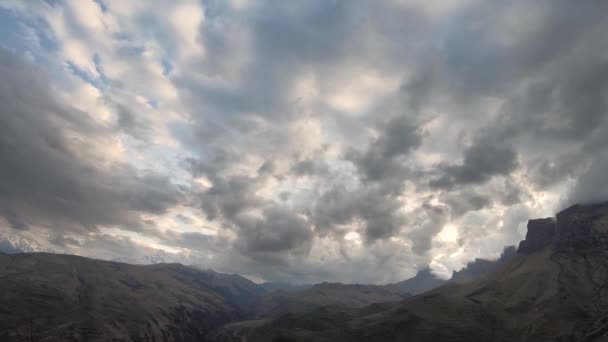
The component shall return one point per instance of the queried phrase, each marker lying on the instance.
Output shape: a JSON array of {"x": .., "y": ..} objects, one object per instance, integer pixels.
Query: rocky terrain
[
  {"x": 349, "y": 296},
  {"x": 480, "y": 268},
  {"x": 49, "y": 297},
  {"x": 52, "y": 297},
  {"x": 423, "y": 281},
  {"x": 554, "y": 289}
]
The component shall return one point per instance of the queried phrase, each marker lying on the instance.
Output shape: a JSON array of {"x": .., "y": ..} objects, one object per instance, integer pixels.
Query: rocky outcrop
[
  {"x": 541, "y": 233},
  {"x": 423, "y": 281},
  {"x": 482, "y": 267},
  {"x": 582, "y": 227}
]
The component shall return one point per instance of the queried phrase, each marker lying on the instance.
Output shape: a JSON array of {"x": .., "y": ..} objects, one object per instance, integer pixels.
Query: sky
[{"x": 302, "y": 141}]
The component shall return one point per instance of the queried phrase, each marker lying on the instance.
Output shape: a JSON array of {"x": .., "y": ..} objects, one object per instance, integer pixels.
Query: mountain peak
[{"x": 423, "y": 281}]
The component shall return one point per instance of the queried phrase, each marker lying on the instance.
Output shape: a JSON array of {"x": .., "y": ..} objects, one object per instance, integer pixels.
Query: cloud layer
[{"x": 350, "y": 141}]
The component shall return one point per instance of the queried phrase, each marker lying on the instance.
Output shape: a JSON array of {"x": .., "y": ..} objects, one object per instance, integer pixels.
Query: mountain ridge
[{"x": 553, "y": 289}]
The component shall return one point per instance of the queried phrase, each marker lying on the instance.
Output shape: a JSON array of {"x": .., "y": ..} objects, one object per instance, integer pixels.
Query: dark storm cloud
[
  {"x": 491, "y": 51},
  {"x": 501, "y": 104},
  {"x": 266, "y": 231},
  {"x": 384, "y": 157},
  {"x": 466, "y": 65},
  {"x": 230, "y": 196},
  {"x": 129, "y": 122},
  {"x": 287, "y": 39},
  {"x": 464, "y": 201},
  {"x": 309, "y": 167},
  {"x": 377, "y": 210},
  {"x": 51, "y": 178},
  {"x": 275, "y": 232},
  {"x": 431, "y": 219},
  {"x": 482, "y": 161},
  {"x": 591, "y": 186},
  {"x": 560, "y": 109},
  {"x": 545, "y": 173}
]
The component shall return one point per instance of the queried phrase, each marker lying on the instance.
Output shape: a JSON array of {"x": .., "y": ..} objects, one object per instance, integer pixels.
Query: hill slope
[
  {"x": 423, "y": 281},
  {"x": 554, "y": 289},
  {"x": 327, "y": 294},
  {"x": 68, "y": 298}
]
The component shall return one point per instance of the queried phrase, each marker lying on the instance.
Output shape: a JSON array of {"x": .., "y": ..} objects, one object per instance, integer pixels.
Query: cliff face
[
  {"x": 541, "y": 233},
  {"x": 580, "y": 227}
]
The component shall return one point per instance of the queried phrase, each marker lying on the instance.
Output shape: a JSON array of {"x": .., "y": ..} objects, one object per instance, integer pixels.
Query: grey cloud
[
  {"x": 541, "y": 63},
  {"x": 464, "y": 201},
  {"x": 384, "y": 157},
  {"x": 309, "y": 167},
  {"x": 287, "y": 40},
  {"x": 545, "y": 173},
  {"x": 267, "y": 167},
  {"x": 591, "y": 185},
  {"x": 230, "y": 196},
  {"x": 377, "y": 210},
  {"x": 197, "y": 242},
  {"x": 48, "y": 178},
  {"x": 431, "y": 220},
  {"x": 129, "y": 122},
  {"x": 277, "y": 231},
  {"x": 482, "y": 161},
  {"x": 490, "y": 53}
]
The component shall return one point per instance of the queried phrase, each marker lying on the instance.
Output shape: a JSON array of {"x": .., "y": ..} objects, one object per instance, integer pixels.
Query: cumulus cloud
[
  {"x": 54, "y": 174},
  {"x": 481, "y": 162},
  {"x": 309, "y": 141}
]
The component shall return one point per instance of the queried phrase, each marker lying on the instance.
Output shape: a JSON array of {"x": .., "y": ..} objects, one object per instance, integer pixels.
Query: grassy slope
[{"x": 61, "y": 298}]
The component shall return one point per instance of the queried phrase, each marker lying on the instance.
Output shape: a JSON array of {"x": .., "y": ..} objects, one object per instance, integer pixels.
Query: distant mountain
[
  {"x": 423, "y": 281},
  {"x": 327, "y": 294},
  {"x": 270, "y": 286},
  {"x": 12, "y": 244},
  {"x": 555, "y": 288},
  {"x": 158, "y": 257},
  {"x": 237, "y": 290},
  {"x": 69, "y": 298}
]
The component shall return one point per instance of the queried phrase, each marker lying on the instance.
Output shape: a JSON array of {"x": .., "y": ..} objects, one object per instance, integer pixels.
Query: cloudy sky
[{"x": 353, "y": 141}]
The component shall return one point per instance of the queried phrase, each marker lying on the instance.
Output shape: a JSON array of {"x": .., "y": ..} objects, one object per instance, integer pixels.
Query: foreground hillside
[
  {"x": 554, "y": 289},
  {"x": 47, "y": 297},
  {"x": 52, "y": 297},
  {"x": 351, "y": 296}
]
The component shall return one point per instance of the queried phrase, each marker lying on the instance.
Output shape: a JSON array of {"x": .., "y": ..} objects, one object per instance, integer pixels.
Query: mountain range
[{"x": 553, "y": 287}]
